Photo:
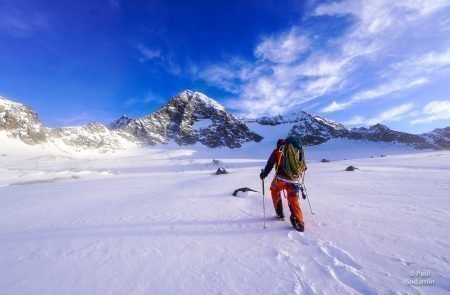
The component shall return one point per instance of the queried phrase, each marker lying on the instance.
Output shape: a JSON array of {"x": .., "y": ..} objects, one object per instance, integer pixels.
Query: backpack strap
[{"x": 280, "y": 158}]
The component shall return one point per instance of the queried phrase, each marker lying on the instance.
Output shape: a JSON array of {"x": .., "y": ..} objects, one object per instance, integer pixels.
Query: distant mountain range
[{"x": 192, "y": 117}]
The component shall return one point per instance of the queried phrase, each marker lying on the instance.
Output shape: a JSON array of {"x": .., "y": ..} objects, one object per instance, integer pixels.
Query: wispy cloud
[
  {"x": 410, "y": 73},
  {"x": 156, "y": 55},
  {"x": 295, "y": 67},
  {"x": 148, "y": 53},
  {"x": 389, "y": 115},
  {"x": 379, "y": 91},
  {"x": 145, "y": 100},
  {"x": 284, "y": 48},
  {"x": 19, "y": 21},
  {"x": 433, "y": 111}
]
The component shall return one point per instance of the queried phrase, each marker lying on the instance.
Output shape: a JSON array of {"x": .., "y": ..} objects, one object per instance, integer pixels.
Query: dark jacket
[{"x": 273, "y": 161}]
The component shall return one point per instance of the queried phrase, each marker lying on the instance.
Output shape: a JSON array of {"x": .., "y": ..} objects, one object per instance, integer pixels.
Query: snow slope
[{"x": 158, "y": 221}]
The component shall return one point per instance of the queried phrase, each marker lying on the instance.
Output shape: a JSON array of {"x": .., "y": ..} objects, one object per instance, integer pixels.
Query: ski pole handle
[{"x": 262, "y": 170}]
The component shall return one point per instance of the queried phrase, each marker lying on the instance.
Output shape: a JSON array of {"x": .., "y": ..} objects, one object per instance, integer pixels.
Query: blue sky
[{"x": 357, "y": 62}]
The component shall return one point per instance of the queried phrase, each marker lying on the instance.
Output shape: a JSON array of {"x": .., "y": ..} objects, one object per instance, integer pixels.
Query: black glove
[
  {"x": 262, "y": 175},
  {"x": 303, "y": 192}
]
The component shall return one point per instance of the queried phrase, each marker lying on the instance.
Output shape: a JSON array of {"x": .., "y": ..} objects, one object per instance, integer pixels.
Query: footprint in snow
[
  {"x": 303, "y": 285},
  {"x": 338, "y": 254},
  {"x": 298, "y": 238},
  {"x": 343, "y": 268}
]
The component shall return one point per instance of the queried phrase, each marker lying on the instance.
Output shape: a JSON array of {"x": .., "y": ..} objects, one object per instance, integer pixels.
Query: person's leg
[
  {"x": 296, "y": 211},
  {"x": 275, "y": 190}
]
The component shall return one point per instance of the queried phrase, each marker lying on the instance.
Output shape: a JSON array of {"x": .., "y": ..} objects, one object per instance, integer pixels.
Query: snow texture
[{"x": 158, "y": 221}]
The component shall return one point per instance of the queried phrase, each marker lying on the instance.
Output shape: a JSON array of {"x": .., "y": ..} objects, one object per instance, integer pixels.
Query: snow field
[{"x": 161, "y": 222}]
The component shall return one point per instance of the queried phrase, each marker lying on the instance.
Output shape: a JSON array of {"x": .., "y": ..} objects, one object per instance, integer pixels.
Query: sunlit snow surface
[{"x": 158, "y": 221}]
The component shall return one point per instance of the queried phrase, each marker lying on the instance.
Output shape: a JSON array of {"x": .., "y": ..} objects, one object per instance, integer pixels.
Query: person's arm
[{"x": 269, "y": 165}]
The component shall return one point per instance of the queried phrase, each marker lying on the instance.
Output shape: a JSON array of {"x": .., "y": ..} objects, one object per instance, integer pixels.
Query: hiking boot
[
  {"x": 297, "y": 224},
  {"x": 280, "y": 216},
  {"x": 279, "y": 210}
]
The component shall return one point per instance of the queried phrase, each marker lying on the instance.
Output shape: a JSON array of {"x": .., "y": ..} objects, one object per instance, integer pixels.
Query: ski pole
[
  {"x": 306, "y": 192},
  {"x": 264, "y": 203}
]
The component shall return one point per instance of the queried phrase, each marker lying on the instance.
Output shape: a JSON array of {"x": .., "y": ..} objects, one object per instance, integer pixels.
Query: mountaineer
[{"x": 289, "y": 161}]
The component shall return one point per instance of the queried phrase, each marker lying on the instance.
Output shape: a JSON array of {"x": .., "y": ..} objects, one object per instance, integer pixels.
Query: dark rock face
[
  {"x": 120, "y": 123},
  {"x": 325, "y": 161},
  {"x": 20, "y": 121},
  {"x": 188, "y": 118}
]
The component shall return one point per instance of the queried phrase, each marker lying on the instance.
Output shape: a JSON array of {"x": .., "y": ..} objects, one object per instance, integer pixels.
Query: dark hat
[{"x": 280, "y": 142}]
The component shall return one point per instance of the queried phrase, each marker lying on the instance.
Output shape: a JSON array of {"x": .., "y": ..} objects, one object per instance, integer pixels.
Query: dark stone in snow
[
  {"x": 221, "y": 170},
  {"x": 325, "y": 161},
  {"x": 243, "y": 189},
  {"x": 351, "y": 168}
]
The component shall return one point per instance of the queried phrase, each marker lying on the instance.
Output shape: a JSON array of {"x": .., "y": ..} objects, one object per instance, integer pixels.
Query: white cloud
[
  {"x": 334, "y": 106},
  {"x": 392, "y": 114},
  {"x": 290, "y": 69},
  {"x": 356, "y": 121},
  {"x": 424, "y": 64},
  {"x": 433, "y": 111},
  {"x": 379, "y": 91},
  {"x": 148, "y": 53},
  {"x": 285, "y": 48}
]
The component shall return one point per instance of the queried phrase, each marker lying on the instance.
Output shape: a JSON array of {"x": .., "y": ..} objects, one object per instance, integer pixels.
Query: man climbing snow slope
[{"x": 289, "y": 161}]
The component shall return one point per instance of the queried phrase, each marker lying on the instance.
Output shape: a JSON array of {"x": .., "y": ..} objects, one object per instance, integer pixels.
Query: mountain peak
[
  {"x": 6, "y": 103},
  {"x": 379, "y": 127},
  {"x": 120, "y": 122},
  {"x": 197, "y": 98},
  {"x": 188, "y": 118},
  {"x": 20, "y": 121}
]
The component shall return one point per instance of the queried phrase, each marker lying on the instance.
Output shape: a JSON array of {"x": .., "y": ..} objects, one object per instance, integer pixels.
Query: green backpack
[{"x": 292, "y": 158}]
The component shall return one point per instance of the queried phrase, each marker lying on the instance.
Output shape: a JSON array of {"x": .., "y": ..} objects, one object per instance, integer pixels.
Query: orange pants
[{"x": 292, "y": 196}]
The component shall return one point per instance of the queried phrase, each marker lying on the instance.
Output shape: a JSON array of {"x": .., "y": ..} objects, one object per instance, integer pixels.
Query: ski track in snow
[{"x": 163, "y": 223}]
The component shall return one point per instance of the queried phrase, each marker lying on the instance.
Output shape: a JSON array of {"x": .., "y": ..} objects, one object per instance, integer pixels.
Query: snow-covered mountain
[
  {"x": 120, "y": 123},
  {"x": 91, "y": 136},
  {"x": 188, "y": 118},
  {"x": 192, "y": 117},
  {"x": 312, "y": 129},
  {"x": 21, "y": 122},
  {"x": 439, "y": 137},
  {"x": 316, "y": 130}
]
